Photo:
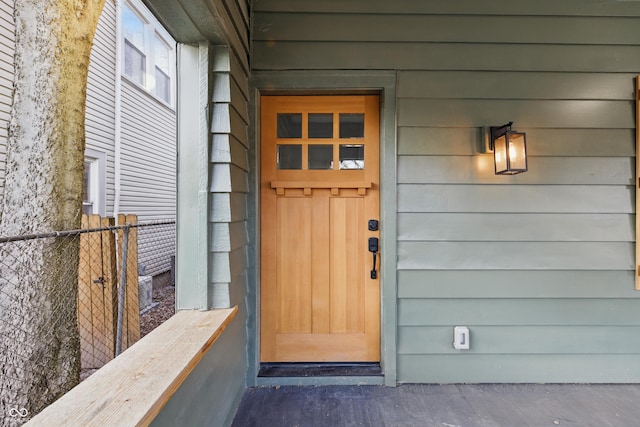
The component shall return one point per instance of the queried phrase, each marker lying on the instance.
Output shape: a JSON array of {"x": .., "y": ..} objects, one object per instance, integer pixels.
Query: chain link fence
[{"x": 70, "y": 302}]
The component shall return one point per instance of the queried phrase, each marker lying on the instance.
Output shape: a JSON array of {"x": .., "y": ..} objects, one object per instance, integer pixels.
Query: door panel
[
  {"x": 346, "y": 237},
  {"x": 294, "y": 290},
  {"x": 319, "y": 187}
]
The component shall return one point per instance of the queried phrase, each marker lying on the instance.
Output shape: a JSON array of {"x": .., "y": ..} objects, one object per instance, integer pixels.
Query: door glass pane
[
  {"x": 351, "y": 156},
  {"x": 351, "y": 125},
  {"x": 289, "y": 125},
  {"x": 320, "y": 125},
  {"x": 290, "y": 156},
  {"x": 321, "y": 156}
]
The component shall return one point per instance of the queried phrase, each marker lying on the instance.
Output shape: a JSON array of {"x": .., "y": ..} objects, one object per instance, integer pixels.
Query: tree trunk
[{"x": 39, "y": 342}]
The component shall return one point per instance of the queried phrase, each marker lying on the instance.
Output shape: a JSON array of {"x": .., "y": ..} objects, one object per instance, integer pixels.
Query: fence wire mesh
[{"x": 70, "y": 302}]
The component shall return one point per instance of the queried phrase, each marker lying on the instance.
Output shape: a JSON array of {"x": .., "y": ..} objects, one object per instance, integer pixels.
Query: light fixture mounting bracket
[{"x": 497, "y": 132}]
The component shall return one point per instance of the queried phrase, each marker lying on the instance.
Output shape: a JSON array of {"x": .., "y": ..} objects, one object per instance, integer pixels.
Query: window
[
  {"x": 320, "y": 137},
  {"x": 163, "y": 69},
  {"x": 149, "y": 52},
  {"x": 134, "y": 57},
  {"x": 87, "y": 189}
]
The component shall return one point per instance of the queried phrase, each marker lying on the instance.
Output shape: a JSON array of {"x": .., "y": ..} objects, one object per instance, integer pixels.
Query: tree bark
[{"x": 39, "y": 342}]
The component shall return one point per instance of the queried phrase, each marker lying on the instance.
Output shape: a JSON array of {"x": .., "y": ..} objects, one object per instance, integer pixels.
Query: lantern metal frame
[{"x": 496, "y": 132}]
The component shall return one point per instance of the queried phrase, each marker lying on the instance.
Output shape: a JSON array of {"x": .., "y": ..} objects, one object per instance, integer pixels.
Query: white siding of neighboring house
[
  {"x": 148, "y": 137},
  {"x": 148, "y": 180},
  {"x": 148, "y": 147},
  {"x": 148, "y": 133},
  {"x": 101, "y": 111},
  {"x": 7, "y": 47},
  {"x": 148, "y": 173}
]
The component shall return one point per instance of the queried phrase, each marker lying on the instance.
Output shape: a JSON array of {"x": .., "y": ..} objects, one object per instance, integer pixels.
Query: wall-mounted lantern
[{"x": 509, "y": 149}]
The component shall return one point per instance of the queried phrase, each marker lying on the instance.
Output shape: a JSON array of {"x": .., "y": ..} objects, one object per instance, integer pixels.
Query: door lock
[{"x": 373, "y": 248}]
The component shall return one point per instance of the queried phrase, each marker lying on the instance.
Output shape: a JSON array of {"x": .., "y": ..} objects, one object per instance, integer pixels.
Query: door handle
[{"x": 373, "y": 248}]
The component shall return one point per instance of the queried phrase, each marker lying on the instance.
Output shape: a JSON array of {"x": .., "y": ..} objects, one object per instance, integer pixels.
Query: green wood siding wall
[
  {"x": 210, "y": 395},
  {"x": 229, "y": 181},
  {"x": 540, "y": 265},
  {"x": 223, "y": 377},
  {"x": 212, "y": 267}
]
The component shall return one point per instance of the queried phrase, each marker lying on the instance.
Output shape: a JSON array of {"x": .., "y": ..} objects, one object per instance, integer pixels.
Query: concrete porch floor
[{"x": 409, "y": 405}]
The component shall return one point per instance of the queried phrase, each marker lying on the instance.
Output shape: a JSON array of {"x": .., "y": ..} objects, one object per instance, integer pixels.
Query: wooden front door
[{"x": 320, "y": 300}]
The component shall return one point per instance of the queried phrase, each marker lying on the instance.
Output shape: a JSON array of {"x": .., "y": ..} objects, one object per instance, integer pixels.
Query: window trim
[{"x": 97, "y": 176}]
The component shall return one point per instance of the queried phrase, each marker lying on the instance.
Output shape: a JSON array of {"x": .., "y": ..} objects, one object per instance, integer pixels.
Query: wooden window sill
[{"x": 135, "y": 386}]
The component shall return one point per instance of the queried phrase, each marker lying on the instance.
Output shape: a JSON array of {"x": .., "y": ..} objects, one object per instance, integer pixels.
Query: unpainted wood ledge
[{"x": 133, "y": 388}]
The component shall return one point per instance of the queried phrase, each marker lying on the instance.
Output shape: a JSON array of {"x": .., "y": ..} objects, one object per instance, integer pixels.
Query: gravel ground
[{"x": 166, "y": 308}]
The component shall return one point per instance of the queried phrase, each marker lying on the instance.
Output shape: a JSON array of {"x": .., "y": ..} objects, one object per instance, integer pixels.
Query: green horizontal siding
[
  {"x": 213, "y": 185},
  {"x": 515, "y": 85},
  {"x": 515, "y": 284},
  {"x": 509, "y": 227},
  {"x": 569, "y": 8},
  {"x": 226, "y": 237},
  {"x": 516, "y": 199},
  {"x": 463, "y": 141},
  {"x": 239, "y": 154},
  {"x": 228, "y": 149},
  {"x": 211, "y": 393},
  {"x": 539, "y": 266},
  {"x": 514, "y": 368},
  {"x": 239, "y": 101},
  {"x": 446, "y": 28},
  {"x": 444, "y": 56},
  {"x": 228, "y": 207},
  {"x": 520, "y": 312},
  {"x": 238, "y": 125},
  {"x": 516, "y": 255},
  {"x": 533, "y": 113},
  {"x": 542, "y": 170},
  {"x": 523, "y": 340}
]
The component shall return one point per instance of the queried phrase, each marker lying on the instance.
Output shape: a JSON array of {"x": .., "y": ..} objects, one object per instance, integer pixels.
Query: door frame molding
[{"x": 382, "y": 83}]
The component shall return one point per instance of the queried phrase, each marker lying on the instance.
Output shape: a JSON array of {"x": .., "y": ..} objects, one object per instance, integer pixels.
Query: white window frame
[
  {"x": 96, "y": 160},
  {"x": 152, "y": 29}
]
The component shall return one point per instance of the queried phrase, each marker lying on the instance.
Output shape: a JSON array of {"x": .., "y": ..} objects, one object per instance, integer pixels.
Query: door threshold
[{"x": 297, "y": 369}]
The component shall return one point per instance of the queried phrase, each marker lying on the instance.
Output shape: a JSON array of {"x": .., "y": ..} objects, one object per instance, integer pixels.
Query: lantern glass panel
[
  {"x": 517, "y": 152},
  {"x": 500, "y": 154}
]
